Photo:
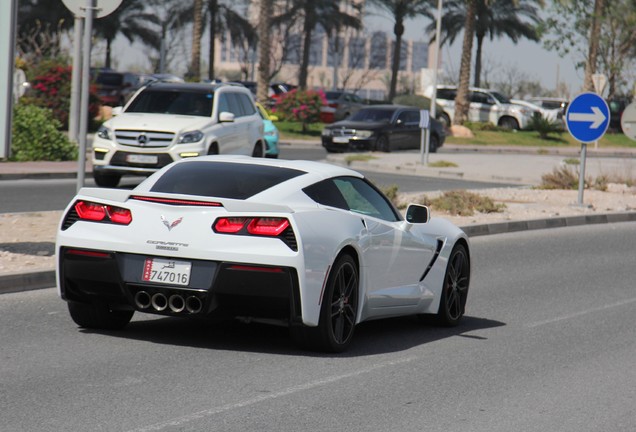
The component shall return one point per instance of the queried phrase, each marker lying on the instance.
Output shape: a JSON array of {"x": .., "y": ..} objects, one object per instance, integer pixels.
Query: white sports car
[{"x": 314, "y": 246}]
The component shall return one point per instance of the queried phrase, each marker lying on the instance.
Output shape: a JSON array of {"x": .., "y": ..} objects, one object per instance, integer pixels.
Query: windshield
[
  {"x": 373, "y": 115},
  {"x": 172, "y": 102},
  {"x": 501, "y": 98}
]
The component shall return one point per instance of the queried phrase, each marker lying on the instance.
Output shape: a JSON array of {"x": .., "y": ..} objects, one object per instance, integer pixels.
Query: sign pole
[
  {"x": 85, "y": 93},
  {"x": 582, "y": 172},
  {"x": 75, "y": 80}
]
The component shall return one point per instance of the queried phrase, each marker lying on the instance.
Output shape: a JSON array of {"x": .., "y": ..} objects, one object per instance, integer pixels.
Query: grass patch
[
  {"x": 567, "y": 177},
  {"x": 443, "y": 164},
  {"x": 531, "y": 139},
  {"x": 463, "y": 203},
  {"x": 294, "y": 130},
  {"x": 359, "y": 158},
  {"x": 572, "y": 161}
]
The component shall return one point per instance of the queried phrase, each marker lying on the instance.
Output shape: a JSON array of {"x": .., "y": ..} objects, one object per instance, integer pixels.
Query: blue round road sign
[{"x": 587, "y": 117}]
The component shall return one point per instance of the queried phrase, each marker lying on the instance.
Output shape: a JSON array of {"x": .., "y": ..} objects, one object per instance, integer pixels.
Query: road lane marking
[
  {"x": 179, "y": 421},
  {"x": 581, "y": 313}
]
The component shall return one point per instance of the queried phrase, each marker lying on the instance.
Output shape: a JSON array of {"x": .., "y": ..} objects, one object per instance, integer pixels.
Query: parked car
[
  {"x": 382, "y": 128},
  {"x": 115, "y": 88},
  {"x": 485, "y": 106},
  {"x": 552, "y": 115},
  {"x": 340, "y": 105},
  {"x": 270, "y": 131},
  {"x": 165, "y": 122},
  {"x": 296, "y": 243},
  {"x": 549, "y": 102}
]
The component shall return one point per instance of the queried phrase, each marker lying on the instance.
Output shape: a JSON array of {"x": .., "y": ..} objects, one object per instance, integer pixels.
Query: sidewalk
[{"x": 509, "y": 165}]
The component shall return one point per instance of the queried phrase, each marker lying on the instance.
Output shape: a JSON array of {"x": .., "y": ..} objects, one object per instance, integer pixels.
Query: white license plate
[
  {"x": 166, "y": 271},
  {"x": 341, "y": 140},
  {"x": 138, "y": 158}
]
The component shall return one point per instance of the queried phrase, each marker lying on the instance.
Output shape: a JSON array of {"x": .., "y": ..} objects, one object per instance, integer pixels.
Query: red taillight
[
  {"x": 88, "y": 253},
  {"x": 230, "y": 225},
  {"x": 259, "y": 226},
  {"x": 333, "y": 105},
  {"x": 267, "y": 226},
  {"x": 90, "y": 211},
  {"x": 119, "y": 215},
  {"x": 96, "y": 212}
]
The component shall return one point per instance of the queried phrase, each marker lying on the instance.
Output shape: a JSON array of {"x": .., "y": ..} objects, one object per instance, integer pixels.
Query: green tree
[
  {"x": 326, "y": 13},
  {"x": 514, "y": 19},
  {"x": 131, "y": 19},
  {"x": 462, "y": 102},
  {"x": 40, "y": 27},
  {"x": 400, "y": 10}
]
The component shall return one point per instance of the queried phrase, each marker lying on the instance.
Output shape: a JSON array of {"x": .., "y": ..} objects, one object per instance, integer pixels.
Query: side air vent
[{"x": 440, "y": 244}]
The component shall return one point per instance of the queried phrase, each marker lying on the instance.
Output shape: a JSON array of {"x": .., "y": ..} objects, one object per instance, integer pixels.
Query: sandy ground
[{"x": 27, "y": 240}]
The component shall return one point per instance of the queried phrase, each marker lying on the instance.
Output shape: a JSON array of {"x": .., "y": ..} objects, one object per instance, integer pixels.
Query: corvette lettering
[{"x": 167, "y": 245}]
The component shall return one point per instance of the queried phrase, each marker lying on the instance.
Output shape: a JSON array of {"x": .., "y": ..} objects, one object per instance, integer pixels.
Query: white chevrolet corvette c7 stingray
[{"x": 314, "y": 246}]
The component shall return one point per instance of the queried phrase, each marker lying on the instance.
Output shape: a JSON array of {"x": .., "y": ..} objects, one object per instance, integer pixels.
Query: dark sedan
[{"x": 382, "y": 128}]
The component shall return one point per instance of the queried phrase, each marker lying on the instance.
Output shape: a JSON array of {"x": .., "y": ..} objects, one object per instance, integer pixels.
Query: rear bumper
[{"x": 218, "y": 288}]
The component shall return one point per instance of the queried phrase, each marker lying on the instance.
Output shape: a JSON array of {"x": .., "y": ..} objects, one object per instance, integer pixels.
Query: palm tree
[
  {"x": 515, "y": 19},
  {"x": 132, "y": 20},
  {"x": 595, "y": 33},
  {"x": 327, "y": 14},
  {"x": 400, "y": 10},
  {"x": 264, "y": 23},
  {"x": 194, "y": 71},
  {"x": 462, "y": 103},
  {"x": 220, "y": 17}
]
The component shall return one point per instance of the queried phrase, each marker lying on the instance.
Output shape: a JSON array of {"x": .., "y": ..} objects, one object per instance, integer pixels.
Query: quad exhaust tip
[{"x": 175, "y": 303}]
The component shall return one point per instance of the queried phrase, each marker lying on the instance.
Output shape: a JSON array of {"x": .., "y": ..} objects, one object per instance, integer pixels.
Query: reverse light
[{"x": 95, "y": 212}]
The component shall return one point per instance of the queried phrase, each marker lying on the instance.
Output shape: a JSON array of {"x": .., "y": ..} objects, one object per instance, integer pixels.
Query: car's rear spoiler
[{"x": 231, "y": 205}]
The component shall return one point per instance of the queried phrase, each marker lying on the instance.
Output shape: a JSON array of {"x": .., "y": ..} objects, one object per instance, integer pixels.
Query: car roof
[{"x": 193, "y": 87}]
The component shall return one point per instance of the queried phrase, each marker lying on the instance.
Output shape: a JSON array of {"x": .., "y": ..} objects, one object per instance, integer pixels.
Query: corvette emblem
[{"x": 169, "y": 224}]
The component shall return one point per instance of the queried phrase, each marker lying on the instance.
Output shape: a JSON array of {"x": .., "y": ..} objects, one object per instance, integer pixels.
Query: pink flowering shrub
[{"x": 302, "y": 106}]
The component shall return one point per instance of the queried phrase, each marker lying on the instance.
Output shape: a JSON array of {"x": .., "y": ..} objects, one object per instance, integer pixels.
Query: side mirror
[
  {"x": 226, "y": 117},
  {"x": 117, "y": 110},
  {"x": 417, "y": 214}
]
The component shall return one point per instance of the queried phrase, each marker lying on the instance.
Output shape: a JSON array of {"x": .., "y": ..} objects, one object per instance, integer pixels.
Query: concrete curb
[{"x": 20, "y": 282}]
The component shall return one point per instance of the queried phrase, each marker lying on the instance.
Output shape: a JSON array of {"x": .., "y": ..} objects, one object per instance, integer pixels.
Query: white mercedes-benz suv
[
  {"x": 165, "y": 122},
  {"x": 485, "y": 106}
]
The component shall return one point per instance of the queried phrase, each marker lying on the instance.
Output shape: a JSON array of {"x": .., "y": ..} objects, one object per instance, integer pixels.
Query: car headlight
[
  {"x": 326, "y": 132},
  {"x": 104, "y": 133},
  {"x": 364, "y": 133},
  {"x": 271, "y": 133},
  {"x": 191, "y": 137}
]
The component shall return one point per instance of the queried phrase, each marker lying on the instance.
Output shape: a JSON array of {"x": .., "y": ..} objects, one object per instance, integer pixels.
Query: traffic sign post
[
  {"x": 628, "y": 121},
  {"x": 424, "y": 132},
  {"x": 587, "y": 119}
]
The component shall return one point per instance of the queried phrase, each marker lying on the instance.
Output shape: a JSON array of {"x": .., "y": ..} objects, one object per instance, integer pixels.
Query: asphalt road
[
  {"x": 54, "y": 194},
  {"x": 548, "y": 345}
]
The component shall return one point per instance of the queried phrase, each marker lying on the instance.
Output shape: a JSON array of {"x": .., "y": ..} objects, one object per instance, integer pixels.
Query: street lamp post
[{"x": 433, "y": 108}]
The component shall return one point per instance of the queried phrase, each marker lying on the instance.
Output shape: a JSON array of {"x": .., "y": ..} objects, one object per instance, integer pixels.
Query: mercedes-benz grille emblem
[{"x": 142, "y": 139}]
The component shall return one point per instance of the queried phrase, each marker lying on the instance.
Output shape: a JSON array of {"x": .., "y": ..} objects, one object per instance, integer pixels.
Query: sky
[{"x": 531, "y": 58}]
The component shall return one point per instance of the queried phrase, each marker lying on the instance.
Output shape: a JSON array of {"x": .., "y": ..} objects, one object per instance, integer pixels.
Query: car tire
[
  {"x": 433, "y": 144},
  {"x": 106, "y": 180},
  {"x": 382, "y": 144},
  {"x": 445, "y": 120},
  {"x": 98, "y": 316},
  {"x": 455, "y": 288},
  {"x": 258, "y": 151},
  {"x": 213, "y": 149},
  {"x": 509, "y": 123},
  {"x": 338, "y": 312}
]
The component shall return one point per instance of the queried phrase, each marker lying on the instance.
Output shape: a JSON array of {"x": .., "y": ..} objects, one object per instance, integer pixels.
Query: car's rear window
[{"x": 222, "y": 179}]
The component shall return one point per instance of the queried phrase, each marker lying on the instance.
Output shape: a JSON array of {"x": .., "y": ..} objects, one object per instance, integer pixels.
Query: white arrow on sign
[{"x": 596, "y": 117}]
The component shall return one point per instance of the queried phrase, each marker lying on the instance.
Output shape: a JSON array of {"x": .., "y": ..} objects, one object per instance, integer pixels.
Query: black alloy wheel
[
  {"x": 338, "y": 312},
  {"x": 455, "y": 288},
  {"x": 382, "y": 144},
  {"x": 433, "y": 144}
]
